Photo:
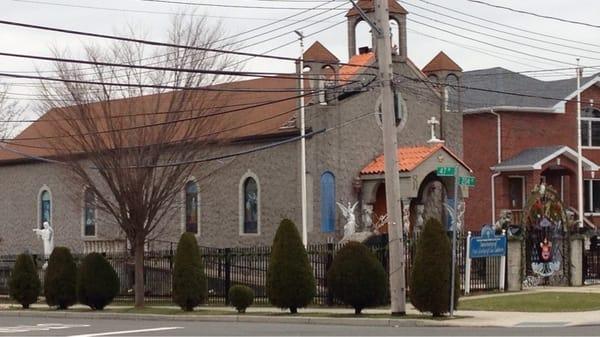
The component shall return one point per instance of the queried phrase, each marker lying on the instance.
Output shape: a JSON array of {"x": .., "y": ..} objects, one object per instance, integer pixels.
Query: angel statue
[
  {"x": 47, "y": 236},
  {"x": 348, "y": 212}
]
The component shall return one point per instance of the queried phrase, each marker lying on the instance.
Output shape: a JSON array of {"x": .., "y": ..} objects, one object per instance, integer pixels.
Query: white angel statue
[
  {"x": 47, "y": 236},
  {"x": 348, "y": 212}
]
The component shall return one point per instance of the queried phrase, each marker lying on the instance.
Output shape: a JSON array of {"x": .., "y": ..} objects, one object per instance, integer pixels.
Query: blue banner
[{"x": 487, "y": 245}]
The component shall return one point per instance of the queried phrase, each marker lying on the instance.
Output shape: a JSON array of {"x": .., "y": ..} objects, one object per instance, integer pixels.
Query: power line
[
  {"x": 496, "y": 30},
  {"x": 137, "y": 127},
  {"x": 188, "y": 3},
  {"x": 259, "y": 148},
  {"x": 489, "y": 43},
  {"x": 135, "y": 66},
  {"x": 509, "y": 26},
  {"x": 535, "y": 14},
  {"x": 153, "y": 43}
]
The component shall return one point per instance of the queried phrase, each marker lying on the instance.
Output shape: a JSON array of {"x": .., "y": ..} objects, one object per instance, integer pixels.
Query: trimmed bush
[
  {"x": 97, "y": 282},
  {"x": 24, "y": 285},
  {"x": 241, "y": 297},
  {"x": 431, "y": 273},
  {"x": 189, "y": 281},
  {"x": 357, "y": 278},
  {"x": 60, "y": 281},
  {"x": 290, "y": 280}
]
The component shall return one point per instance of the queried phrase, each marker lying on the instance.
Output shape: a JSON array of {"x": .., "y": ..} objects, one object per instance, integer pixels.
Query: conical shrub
[
  {"x": 97, "y": 282},
  {"x": 60, "y": 281},
  {"x": 24, "y": 285},
  {"x": 189, "y": 280},
  {"x": 290, "y": 279},
  {"x": 431, "y": 273},
  {"x": 357, "y": 278}
]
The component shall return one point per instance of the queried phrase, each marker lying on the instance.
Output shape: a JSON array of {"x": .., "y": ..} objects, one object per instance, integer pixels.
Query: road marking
[
  {"x": 110, "y": 333},
  {"x": 40, "y": 327},
  {"x": 540, "y": 324}
]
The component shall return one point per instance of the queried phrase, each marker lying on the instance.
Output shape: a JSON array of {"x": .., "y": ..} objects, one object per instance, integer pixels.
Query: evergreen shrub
[
  {"x": 24, "y": 284},
  {"x": 189, "y": 280},
  {"x": 60, "y": 281},
  {"x": 97, "y": 282},
  {"x": 241, "y": 297}
]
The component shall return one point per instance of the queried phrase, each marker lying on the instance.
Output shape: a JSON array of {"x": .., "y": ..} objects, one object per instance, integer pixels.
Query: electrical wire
[{"x": 534, "y": 14}]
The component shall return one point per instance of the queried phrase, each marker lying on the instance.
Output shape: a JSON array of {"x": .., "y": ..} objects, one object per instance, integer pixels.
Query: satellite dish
[{"x": 400, "y": 110}]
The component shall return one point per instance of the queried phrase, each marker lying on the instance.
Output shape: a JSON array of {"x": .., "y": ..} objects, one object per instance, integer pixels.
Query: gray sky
[{"x": 469, "y": 54}]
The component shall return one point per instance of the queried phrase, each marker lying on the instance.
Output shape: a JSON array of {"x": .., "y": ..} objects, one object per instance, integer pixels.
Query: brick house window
[
  {"x": 591, "y": 196},
  {"x": 89, "y": 213},
  {"x": 590, "y": 132},
  {"x": 516, "y": 192}
]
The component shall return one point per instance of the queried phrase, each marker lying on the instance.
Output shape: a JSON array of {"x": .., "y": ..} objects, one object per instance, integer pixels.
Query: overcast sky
[{"x": 423, "y": 42}]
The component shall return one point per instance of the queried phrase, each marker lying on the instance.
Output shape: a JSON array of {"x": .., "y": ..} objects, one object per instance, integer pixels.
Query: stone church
[{"x": 240, "y": 201}]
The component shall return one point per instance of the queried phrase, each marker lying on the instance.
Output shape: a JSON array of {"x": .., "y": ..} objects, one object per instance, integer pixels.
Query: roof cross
[{"x": 432, "y": 122}]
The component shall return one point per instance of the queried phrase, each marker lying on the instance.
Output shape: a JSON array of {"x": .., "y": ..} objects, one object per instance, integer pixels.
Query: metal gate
[{"x": 546, "y": 255}]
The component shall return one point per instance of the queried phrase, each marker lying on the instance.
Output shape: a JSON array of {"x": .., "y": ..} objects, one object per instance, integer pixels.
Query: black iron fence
[
  {"x": 225, "y": 267},
  {"x": 591, "y": 266}
]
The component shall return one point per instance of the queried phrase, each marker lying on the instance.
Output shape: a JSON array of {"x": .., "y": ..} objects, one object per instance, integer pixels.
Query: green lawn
[{"x": 535, "y": 302}]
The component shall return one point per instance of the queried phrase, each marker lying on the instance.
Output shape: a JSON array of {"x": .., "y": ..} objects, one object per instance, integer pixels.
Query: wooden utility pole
[{"x": 390, "y": 146}]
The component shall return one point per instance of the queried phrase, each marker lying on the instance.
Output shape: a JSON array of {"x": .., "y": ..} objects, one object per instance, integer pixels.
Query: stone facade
[{"x": 353, "y": 139}]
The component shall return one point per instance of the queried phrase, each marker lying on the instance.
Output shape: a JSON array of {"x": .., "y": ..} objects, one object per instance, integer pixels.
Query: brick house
[
  {"x": 513, "y": 142},
  {"x": 240, "y": 201}
]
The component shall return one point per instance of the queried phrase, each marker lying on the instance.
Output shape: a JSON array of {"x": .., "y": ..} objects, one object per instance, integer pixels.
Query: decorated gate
[{"x": 546, "y": 247}]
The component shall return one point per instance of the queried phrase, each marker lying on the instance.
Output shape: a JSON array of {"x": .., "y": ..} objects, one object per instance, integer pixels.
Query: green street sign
[
  {"x": 446, "y": 171},
  {"x": 466, "y": 181}
]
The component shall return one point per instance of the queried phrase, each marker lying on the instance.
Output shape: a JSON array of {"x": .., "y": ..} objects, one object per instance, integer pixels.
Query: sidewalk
[{"x": 257, "y": 314}]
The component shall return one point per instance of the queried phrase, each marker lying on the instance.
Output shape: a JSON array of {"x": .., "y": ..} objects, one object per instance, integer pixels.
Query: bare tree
[
  {"x": 114, "y": 137},
  {"x": 9, "y": 112}
]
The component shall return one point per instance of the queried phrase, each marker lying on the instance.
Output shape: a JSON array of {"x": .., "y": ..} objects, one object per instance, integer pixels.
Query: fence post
[
  {"x": 227, "y": 274},
  {"x": 328, "y": 263},
  {"x": 468, "y": 265},
  {"x": 503, "y": 267}
]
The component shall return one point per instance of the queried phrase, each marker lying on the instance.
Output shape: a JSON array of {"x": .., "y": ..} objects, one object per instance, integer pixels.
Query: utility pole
[
  {"x": 390, "y": 147},
  {"x": 302, "y": 143},
  {"x": 579, "y": 160}
]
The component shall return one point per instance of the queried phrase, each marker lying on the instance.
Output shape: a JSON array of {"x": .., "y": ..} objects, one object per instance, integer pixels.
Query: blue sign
[{"x": 488, "y": 244}]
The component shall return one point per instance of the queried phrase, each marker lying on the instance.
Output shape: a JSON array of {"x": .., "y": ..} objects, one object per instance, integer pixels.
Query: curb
[{"x": 248, "y": 318}]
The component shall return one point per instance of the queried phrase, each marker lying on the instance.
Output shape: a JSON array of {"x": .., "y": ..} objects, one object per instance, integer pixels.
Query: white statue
[
  {"x": 368, "y": 217},
  {"x": 47, "y": 236},
  {"x": 348, "y": 212}
]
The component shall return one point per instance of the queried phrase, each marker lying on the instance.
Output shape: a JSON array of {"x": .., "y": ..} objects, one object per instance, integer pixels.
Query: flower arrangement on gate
[{"x": 544, "y": 203}]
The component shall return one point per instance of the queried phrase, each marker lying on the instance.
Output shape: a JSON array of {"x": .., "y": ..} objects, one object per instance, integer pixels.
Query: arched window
[
  {"x": 191, "y": 207},
  {"x": 250, "y": 207},
  {"x": 45, "y": 208},
  {"x": 327, "y": 202},
  {"x": 89, "y": 213}
]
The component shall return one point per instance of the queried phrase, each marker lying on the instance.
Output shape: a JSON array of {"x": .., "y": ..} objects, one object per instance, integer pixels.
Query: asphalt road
[{"x": 28, "y": 326}]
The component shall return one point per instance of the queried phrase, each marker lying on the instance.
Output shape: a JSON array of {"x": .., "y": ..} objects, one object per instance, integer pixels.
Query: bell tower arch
[{"x": 397, "y": 14}]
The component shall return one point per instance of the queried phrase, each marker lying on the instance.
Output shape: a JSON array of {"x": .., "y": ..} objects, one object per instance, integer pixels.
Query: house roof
[
  {"x": 355, "y": 66},
  {"x": 229, "y": 115},
  {"x": 367, "y": 6},
  {"x": 441, "y": 62},
  {"x": 409, "y": 158},
  {"x": 318, "y": 52},
  {"x": 535, "y": 158},
  {"x": 495, "y": 81}
]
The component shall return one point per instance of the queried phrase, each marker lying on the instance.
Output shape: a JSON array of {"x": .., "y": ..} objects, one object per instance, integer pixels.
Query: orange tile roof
[
  {"x": 441, "y": 62},
  {"x": 355, "y": 65},
  {"x": 409, "y": 158},
  {"x": 367, "y": 6},
  {"x": 318, "y": 52}
]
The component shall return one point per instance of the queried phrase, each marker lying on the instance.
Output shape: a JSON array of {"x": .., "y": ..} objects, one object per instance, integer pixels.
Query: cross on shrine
[{"x": 432, "y": 122}]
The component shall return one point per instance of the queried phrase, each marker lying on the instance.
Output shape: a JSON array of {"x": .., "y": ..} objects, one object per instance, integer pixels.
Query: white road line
[{"x": 110, "y": 333}]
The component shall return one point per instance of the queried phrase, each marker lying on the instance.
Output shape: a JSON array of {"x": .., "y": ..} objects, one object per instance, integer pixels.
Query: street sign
[
  {"x": 488, "y": 244},
  {"x": 466, "y": 181},
  {"x": 446, "y": 171}
]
